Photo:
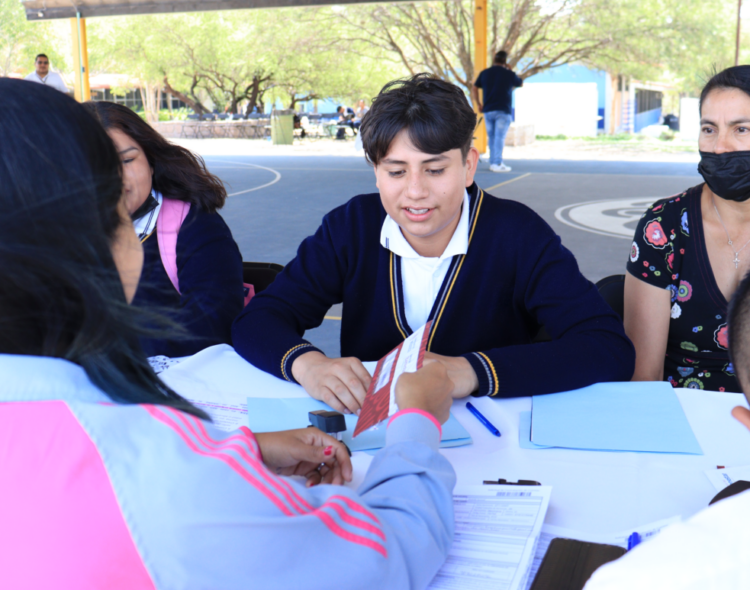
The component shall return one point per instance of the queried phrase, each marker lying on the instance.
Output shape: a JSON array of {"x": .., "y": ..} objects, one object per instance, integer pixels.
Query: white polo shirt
[
  {"x": 422, "y": 277},
  {"x": 708, "y": 551},
  {"x": 51, "y": 79}
]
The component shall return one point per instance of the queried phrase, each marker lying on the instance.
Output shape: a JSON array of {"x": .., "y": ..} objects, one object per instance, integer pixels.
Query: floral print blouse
[{"x": 669, "y": 251}]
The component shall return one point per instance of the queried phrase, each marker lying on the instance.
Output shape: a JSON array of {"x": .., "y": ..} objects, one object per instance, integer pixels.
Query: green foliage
[
  {"x": 21, "y": 40},
  {"x": 222, "y": 58}
]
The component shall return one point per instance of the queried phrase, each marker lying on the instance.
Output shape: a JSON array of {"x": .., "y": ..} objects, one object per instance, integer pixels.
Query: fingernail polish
[{"x": 328, "y": 450}]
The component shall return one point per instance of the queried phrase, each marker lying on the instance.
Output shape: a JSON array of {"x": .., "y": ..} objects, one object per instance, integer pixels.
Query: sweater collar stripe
[
  {"x": 476, "y": 196},
  {"x": 394, "y": 297},
  {"x": 452, "y": 275}
]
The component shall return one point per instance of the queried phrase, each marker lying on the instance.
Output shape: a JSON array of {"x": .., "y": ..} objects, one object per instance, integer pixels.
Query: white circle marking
[{"x": 607, "y": 217}]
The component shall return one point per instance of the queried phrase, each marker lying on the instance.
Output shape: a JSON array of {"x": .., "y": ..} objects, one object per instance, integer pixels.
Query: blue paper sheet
[
  {"x": 524, "y": 433},
  {"x": 634, "y": 416},
  {"x": 274, "y": 414}
]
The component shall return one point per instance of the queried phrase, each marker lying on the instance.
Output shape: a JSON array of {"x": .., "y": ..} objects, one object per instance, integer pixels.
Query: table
[{"x": 598, "y": 492}]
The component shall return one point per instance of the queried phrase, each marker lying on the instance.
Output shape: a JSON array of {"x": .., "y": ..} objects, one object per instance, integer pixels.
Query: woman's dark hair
[
  {"x": 734, "y": 77},
  {"x": 178, "y": 173},
  {"x": 436, "y": 114},
  {"x": 60, "y": 291}
]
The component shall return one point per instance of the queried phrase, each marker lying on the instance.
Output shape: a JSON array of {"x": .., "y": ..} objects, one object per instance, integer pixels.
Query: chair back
[
  {"x": 612, "y": 289},
  {"x": 260, "y": 274}
]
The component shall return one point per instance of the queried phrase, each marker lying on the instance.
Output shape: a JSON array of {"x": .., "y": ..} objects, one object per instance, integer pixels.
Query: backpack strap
[{"x": 171, "y": 216}]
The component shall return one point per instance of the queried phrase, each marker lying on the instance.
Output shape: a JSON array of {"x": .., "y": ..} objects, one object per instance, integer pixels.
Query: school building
[{"x": 575, "y": 100}]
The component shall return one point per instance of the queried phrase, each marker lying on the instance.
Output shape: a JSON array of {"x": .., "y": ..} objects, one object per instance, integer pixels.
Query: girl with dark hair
[
  {"x": 142, "y": 494},
  {"x": 199, "y": 278},
  {"x": 691, "y": 250}
]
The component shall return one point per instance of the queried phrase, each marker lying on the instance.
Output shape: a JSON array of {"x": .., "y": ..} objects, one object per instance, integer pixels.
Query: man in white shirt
[
  {"x": 42, "y": 75},
  {"x": 711, "y": 549}
]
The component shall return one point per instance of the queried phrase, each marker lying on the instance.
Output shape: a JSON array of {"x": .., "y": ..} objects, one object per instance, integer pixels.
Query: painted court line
[
  {"x": 508, "y": 181},
  {"x": 240, "y": 165}
]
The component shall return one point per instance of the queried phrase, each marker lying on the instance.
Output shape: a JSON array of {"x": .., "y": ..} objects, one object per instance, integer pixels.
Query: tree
[{"x": 621, "y": 35}]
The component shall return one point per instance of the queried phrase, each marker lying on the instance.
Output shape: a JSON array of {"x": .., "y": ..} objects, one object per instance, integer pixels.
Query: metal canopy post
[
  {"x": 480, "y": 63},
  {"x": 80, "y": 58}
]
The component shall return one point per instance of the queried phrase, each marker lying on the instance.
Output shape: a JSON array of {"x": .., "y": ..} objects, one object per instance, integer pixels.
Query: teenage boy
[
  {"x": 710, "y": 549},
  {"x": 434, "y": 246}
]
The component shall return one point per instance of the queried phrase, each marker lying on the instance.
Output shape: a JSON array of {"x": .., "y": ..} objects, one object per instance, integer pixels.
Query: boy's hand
[
  {"x": 428, "y": 389},
  {"x": 341, "y": 383},
  {"x": 460, "y": 372},
  {"x": 317, "y": 456}
]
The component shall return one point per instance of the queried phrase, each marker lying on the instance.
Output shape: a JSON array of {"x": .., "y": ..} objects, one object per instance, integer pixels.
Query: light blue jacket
[{"x": 101, "y": 495}]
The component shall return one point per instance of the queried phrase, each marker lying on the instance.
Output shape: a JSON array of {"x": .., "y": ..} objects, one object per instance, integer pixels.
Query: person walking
[
  {"x": 497, "y": 83},
  {"x": 42, "y": 75}
]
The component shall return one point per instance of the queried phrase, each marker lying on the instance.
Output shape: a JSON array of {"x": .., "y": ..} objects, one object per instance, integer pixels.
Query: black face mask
[{"x": 727, "y": 174}]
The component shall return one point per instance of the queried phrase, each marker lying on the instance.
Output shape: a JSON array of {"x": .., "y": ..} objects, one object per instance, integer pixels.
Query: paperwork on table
[
  {"x": 497, "y": 529},
  {"x": 620, "y": 539},
  {"x": 641, "y": 416},
  {"x": 721, "y": 478},
  {"x": 275, "y": 414}
]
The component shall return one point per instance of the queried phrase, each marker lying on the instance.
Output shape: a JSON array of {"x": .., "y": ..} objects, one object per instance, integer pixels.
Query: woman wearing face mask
[
  {"x": 205, "y": 292},
  {"x": 690, "y": 252}
]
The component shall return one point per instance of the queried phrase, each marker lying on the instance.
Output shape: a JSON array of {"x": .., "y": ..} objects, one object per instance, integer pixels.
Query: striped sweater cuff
[
  {"x": 291, "y": 355},
  {"x": 486, "y": 374}
]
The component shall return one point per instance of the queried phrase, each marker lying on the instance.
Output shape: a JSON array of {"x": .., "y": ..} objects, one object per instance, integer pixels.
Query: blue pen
[
  {"x": 633, "y": 540},
  {"x": 488, "y": 425}
]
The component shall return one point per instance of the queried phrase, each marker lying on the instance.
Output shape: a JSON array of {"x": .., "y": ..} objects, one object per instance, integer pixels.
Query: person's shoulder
[
  {"x": 31, "y": 76},
  {"x": 202, "y": 225},
  {"x": 512, "y": 216},
  {"x": 508, "y": 209},
  {"x": 673, "y": 206},
  {"x": 365, "y": 209}
]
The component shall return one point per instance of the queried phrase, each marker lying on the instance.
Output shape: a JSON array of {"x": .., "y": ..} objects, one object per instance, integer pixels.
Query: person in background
[
  {"x": 497, "y": 83},
  {"x": 710, "y": 549},
  {"x": 42, "y": 74},
  {"x": 117, "y": 482},
  {"x": 209, "y": 292},
  {"x": 690, "y": 251},
  {"x": 432, "y": 246}
]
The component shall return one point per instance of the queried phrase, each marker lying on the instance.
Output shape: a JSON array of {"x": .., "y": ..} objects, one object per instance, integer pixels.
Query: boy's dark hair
[
  {"x": 40, "y": 55},
  {"x": 435, "y": 113},
  {"x": 738, "y": 320},
  {"x": 501, "y": 57},
  {"x": 734, "y": 77}
]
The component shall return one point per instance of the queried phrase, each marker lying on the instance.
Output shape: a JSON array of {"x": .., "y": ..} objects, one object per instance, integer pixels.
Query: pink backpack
[{"x": 171, "y": 216}]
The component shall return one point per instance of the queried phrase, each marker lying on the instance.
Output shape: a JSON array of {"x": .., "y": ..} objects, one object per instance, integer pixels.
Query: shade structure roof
[{"x": 51, "y": 9}]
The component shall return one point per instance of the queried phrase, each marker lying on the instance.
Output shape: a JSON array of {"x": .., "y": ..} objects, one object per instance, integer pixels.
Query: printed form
[{"x": 497, "y": 529}]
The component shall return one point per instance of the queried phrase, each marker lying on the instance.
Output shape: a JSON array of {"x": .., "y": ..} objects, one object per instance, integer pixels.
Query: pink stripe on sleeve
[
  {"x": 427, "y": 415},
  {"x": 193, "y": 432},
  {"x": 62, "y": 526}
]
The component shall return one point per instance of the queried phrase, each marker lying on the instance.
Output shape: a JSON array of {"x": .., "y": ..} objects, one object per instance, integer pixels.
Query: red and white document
[{"x": 380, "y": 401}]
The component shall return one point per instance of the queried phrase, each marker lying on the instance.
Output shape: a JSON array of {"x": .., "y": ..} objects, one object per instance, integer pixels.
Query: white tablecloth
[{"x": 599, "y": 492}]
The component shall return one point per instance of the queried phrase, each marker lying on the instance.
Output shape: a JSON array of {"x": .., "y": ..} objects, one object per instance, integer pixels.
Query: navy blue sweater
[
  {"x": 515, "y": 277},
  {"x": 209, "y": 269}
]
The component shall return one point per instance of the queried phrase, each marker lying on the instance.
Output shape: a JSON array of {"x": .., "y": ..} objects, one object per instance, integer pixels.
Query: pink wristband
[{"x": 421, "y": 413}]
